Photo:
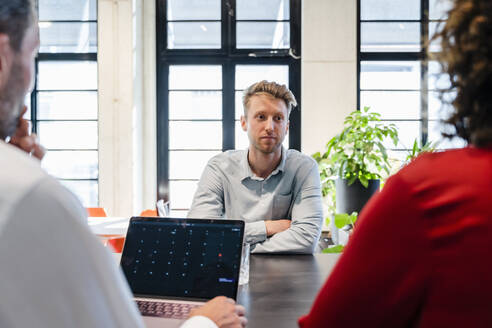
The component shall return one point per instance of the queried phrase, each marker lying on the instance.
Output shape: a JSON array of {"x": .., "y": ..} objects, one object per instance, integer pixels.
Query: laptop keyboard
[{"x": 165, "y": 309}]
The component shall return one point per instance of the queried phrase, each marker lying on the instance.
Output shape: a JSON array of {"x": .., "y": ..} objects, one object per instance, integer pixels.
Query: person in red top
[{"x": 420, "y": 255}]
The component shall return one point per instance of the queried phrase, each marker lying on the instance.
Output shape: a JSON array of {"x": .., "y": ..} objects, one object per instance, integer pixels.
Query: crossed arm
[
  {"x": 305, "y": 225},
  {"x": 297, "y": 235}
]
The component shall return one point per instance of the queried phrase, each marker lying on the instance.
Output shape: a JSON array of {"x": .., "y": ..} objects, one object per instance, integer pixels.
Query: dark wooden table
[{"x": 283, "y": 287}]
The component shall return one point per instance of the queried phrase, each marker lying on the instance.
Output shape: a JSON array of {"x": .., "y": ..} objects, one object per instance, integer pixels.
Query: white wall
[
  {"x": 115, "y": 105},
  {"x": 127, "y": 95},
  {"x": 149, "y": 142},
  {"x": 120, "y": 106},
  {"x": 329, "y": 69},
  {"x": 138, "y": 104}
]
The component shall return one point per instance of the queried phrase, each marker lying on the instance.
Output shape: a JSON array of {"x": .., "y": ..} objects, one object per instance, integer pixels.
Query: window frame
[
  {"x": 228, "y": 57},
  {"x": 60, "y": 57},
  {"x": 421, "y": 56}
]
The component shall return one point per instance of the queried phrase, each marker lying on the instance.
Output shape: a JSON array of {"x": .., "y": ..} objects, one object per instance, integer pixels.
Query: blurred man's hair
[
  {"x": 466, "y": 56},
  {"x": 15, "y": 18},
  {"x": 273, "y": 89}
]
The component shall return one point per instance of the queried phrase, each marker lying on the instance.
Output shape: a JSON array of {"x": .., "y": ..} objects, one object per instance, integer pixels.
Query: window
[
  {"x": 209, "y": 51},
  {"x": 396, "y": 76},
  {"x": 64, "y": 106}
]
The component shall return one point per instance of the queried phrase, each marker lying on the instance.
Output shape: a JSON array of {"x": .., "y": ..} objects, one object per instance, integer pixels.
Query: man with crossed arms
[{"x": 276, "y": 191}]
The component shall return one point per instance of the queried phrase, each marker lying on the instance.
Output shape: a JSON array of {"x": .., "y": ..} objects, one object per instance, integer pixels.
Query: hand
[
  {"x": 224, "y": 312},
  {"x": 25, "y": 141},
  {"x": 276, "y": 226}
]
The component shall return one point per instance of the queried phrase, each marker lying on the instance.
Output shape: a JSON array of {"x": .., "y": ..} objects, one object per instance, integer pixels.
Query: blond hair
[{"x": 278, "y": 91}]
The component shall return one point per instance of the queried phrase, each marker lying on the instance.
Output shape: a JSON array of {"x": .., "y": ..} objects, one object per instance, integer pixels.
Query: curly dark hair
[
  {"x": 15, "y": 17},
  {"x": 467, "y": 57}
]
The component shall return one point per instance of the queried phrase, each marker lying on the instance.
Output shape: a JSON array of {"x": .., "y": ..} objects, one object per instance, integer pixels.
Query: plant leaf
[
  {"x": 334, "y": 249},
  {"x": 341, "y": 220},
  {"x": 364, "y": 181},
  {"x": 352, "y": 180},
  {"x": 353, "y": 217}
]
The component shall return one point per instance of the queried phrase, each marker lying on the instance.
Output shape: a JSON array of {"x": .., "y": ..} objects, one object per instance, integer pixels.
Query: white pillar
[
  {"x": 329, "y": 69},
  {"x": 116, "y": 67}
]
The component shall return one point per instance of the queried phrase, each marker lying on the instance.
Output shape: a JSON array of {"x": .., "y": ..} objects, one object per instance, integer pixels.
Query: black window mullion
[
  {"x": 193, "y": 21},
  {"x": 390, "y": 21},
  {"x": 193, "y": 149},
  {"x": 228, "y": 106},
  {"x": 358, "y": 53},
  {"x": 231, "y": 13},
  {"x": 34, "y": 102},
  {"x": 191, "y": 90},
  {"x": 92, "y": 56},
  {"x": 391, "y": 56},
  {"x": 68, "y": 21},
  {"x": 295, "y": 115},
  {"x": 66, "y": 90},
  {"x": 162, "y": 130},
  {"x": 194, "y": 119},
  {"x": 224, "y": 35},
  {"x": 263, "y": 20},
  {"x": 295, "y": 15},
  {"x": 161, "y": 27},
  {"x": 424, "y": 69},
  {"x": 67, "y": 120},
  {"x": 162, "y": 102}
]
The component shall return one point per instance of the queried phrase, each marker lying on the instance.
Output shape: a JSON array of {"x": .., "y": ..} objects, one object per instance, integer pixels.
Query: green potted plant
[
  {"x": 417, "y": 149},
  {"x": 356, "y": 159},
  {"x": 340, "y": 221}
]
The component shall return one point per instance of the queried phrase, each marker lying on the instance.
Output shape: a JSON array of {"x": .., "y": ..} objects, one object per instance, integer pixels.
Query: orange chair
[
  {"x": 96, "y": 212},
  {"x": 116, "y": 242},
  {"x": 149, "y": 213}
]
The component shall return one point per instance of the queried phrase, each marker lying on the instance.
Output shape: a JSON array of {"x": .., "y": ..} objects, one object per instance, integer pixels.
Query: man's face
[
  {"x": 17, "y": 69},
  {"x": 266, "y": 123}
]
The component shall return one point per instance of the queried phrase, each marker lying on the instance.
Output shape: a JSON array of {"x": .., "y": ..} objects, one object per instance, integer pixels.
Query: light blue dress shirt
[{"x": 228, "y": 188}]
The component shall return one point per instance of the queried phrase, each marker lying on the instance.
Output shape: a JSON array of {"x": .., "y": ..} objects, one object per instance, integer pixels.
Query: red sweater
[{"x": 421, "y": 254}]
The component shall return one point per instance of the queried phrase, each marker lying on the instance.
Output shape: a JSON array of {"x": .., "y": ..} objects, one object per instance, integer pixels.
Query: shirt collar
[{"x": 248, "y": 173}]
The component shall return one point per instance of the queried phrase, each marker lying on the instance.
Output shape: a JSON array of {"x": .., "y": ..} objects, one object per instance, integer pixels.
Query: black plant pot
[{"x": 353, "y": 198}]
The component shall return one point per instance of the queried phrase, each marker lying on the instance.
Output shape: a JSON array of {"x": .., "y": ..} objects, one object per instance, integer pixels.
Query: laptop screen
[{"x": 183, "y": 258}]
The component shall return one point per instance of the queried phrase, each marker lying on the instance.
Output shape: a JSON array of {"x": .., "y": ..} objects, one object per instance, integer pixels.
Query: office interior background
[{"x": 132, "y": 97}]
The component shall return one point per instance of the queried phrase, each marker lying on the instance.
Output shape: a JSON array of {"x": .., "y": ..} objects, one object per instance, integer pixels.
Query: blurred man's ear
[
  {"x": 5, "y": 59},
  {"x": 244, "y": 124}
]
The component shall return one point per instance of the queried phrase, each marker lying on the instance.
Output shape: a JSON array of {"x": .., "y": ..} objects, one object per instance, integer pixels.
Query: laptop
[{"x": 174, "y": 265}]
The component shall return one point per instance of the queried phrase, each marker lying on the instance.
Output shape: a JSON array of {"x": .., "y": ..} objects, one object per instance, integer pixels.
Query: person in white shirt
[{"x": 54, "y": 272}]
